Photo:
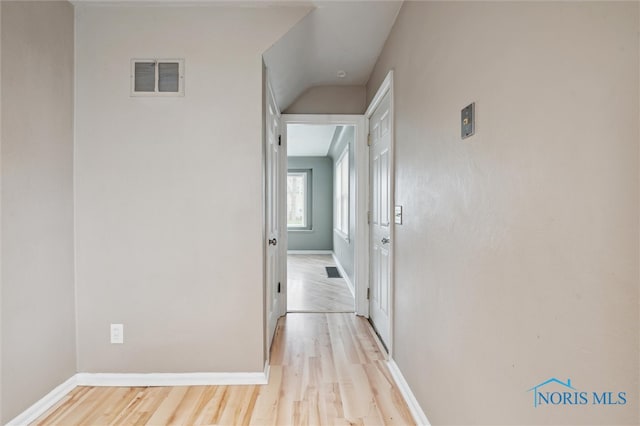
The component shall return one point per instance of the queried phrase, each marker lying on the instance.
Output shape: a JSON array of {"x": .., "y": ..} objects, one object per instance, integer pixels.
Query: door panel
[
  {"x": 375, "y": 199},
  {"x": 380, "y": 227},
  {"x": 274, "y": 159},
  {"x": 384, "y": 281},
  {"x": 383, "y": 185}
]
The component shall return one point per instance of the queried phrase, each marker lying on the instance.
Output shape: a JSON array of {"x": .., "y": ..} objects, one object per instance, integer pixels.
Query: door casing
[
  {"x": 361, "y": 237},
  {"x": 361, "y": 153}
]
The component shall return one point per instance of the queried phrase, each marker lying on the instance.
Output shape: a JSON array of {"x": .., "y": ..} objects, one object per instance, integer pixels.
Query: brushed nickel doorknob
[{"x": 273, "y": 242}]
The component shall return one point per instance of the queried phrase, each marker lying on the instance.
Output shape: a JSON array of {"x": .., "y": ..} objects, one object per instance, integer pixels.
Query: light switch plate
[
  {"x": 117, "y": 333},
  {"x": 467, "y": 120},
  {"x": 398, "y": 215}
]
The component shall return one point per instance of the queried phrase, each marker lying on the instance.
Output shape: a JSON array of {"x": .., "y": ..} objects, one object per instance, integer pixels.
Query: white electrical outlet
[{"x": 117, "y": 333}]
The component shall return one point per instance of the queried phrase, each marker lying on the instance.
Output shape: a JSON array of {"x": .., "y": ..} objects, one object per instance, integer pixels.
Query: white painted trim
[
  {"x": 267, "y": 372},
  {"x": 137, "y": 380},
  {"x": 414, "y": 407},
  {"x": 337, "y": 119},
  {"x": 344, "y": 274},
  {"x": 361, "y": 155},
  {"x": 337, "y": 194},
  {"x": 341, "y": 234},
  {"x": 44, "y": 403},
  {"x": 387, "y": 84},
  {"x": 361, "y": 243},
  {"x": 172, "y": 379},
  {"x": 387, "y": 88},
  {"x": 282, "y": 212},
  {"x": 304, "y": 174},
  {"x": 309, "y": 252}
]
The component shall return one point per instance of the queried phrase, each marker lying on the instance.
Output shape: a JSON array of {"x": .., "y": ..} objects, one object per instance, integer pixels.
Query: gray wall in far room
[
  {"x": 344, "y": 249},
  {"x": 319, "y": 237}
]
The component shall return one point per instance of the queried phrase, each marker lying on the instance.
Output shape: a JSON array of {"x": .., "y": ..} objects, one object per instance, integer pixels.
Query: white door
[
  {"x": 380, "y": 227},
  {"x": 274, "y": 158}
]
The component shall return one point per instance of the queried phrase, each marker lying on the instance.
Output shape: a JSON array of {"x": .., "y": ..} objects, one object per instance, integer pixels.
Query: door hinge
[
  {"x": 368, "y": 218},
  {"x": 278, "y": 287},
  {"x": 368, "y": 289},
  {"x": 279, "y": 140},
  {"x": 369, "y": 139}
]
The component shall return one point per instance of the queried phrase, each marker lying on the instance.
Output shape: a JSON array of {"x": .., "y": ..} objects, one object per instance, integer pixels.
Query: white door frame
[
  {"x": 387, "y": 87},
  {"x": 361, "y": 154}
]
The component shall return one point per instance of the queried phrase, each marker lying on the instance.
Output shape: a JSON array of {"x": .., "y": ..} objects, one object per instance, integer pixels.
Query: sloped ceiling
[
  {"x": 336, "y": 36},
  {"x": 310, "y": 140}
]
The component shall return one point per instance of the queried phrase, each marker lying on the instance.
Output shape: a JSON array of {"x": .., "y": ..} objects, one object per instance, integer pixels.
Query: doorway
[
  {"x": 276, "y": 284},
  {"x": 320, "y": 217},
  {"x": 326, "y": 226}
]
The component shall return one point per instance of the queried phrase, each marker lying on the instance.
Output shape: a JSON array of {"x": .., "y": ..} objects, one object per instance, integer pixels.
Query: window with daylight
[
  {"x": 163, "y": 77},
  {"x": 342, "y": 195},
  {"x": 298, "y": 200}
]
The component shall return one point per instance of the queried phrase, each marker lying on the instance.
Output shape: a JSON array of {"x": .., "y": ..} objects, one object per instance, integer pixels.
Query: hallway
[
  {"x": 309, "y": 289},
  {"x": 325, "y": 369}
]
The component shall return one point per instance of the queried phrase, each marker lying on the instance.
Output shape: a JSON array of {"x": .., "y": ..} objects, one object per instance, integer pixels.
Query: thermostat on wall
[{"x": 467, "y": 118}]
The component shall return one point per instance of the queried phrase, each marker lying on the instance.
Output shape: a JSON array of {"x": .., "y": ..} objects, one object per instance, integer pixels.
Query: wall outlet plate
[
  {"x": 117, "y": 333},
  {"x": 467, "y": 120}
]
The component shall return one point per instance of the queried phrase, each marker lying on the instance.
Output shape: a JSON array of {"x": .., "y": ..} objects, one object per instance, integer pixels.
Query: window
[
  {"x": 151, "y": 77},
  {"x": 298, "y": 199},
  {"x": 342, "y": 194}
]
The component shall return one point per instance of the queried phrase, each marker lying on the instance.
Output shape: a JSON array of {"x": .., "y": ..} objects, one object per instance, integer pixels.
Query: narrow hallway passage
[
  {"x": 309, "y": 288},
  {"x": 325, "y": 369}
]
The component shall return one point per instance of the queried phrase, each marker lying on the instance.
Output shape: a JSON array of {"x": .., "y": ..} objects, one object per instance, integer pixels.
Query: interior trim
[
  {"x": 45, "y": 403},
  {"x": 414, "y": 407},
  {"x": 344, "y": 274},
  {"x": 136, "y": 380}
]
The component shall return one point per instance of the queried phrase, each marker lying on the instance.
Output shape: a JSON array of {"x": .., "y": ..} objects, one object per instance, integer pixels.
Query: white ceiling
[
  {"x": 309, "y": 140},
  {"x": 335, "y": 36}
]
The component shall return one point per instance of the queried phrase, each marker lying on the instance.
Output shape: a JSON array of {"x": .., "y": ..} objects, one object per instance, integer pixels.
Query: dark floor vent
[{"x": 332, "y": 272}]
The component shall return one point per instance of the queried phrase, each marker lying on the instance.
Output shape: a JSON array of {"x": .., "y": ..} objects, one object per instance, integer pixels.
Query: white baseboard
[
  {"x": 344, "y": 274},
  {"x": 137, "y": 380},
  {"x": 172, "y": 379},
  {"x": 309, "y": 252},
  {"x": 407, "y": 394},
  {"x": 41, "y": 406}
]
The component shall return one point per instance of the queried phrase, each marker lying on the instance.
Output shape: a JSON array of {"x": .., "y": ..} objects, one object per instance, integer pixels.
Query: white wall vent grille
[{"x": 157, "y": 77}]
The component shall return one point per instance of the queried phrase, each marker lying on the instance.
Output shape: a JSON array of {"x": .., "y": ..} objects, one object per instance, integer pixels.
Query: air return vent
[{"x": 157, "y": 77}]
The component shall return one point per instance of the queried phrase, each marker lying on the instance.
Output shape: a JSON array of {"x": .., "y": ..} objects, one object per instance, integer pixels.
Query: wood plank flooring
[
  {"x": 326, "y": 369},
  {"x": 309, "y": 289}
]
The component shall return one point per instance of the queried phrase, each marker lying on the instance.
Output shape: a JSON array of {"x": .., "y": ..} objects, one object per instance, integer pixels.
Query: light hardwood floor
[
  {"x": 309, "y": 289},
  {"x": 326, "y": 369}
]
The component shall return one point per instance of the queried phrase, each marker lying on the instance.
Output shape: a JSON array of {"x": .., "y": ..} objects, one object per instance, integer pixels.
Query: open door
[
  {"x": 380, "y": 115},
  {"x": 275, "y": 297}
]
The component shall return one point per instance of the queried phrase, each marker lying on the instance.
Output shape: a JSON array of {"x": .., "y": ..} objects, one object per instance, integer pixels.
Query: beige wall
[
  {"x": 330, "y": 100},
  {"x": 38, "y": 320},
  {"x": 518, "y": 257},
  {"x": 169, "y": 190}
]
